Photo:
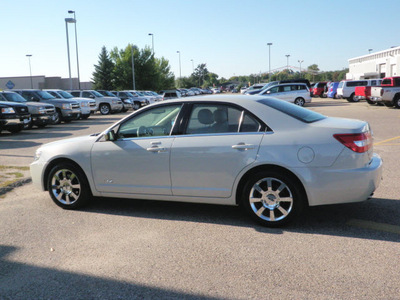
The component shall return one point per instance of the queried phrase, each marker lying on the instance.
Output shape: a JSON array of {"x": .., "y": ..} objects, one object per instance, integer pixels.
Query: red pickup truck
[{"x": 364, "y": 92}]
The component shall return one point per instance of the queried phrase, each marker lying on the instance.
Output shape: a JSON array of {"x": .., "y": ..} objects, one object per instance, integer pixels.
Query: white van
[{"x": 346, "y": 89}]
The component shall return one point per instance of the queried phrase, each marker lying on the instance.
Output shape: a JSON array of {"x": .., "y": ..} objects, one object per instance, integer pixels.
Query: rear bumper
[{"x": 333, "y": 186}]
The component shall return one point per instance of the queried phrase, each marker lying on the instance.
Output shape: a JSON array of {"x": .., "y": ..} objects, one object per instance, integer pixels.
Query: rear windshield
[{"x": 295, "y": 111}]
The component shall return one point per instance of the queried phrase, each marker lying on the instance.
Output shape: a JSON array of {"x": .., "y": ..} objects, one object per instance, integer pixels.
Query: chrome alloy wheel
[
  {"x": 65, "y": 186},
  {"x": 271, "y": 199}
]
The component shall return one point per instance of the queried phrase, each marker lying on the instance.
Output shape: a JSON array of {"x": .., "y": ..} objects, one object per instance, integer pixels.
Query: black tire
[
  {"x": 67, "y": 121},
  {"x": 41, "y": 125},
  {"x": 371, "y": 102},
  {"x": 351, "y": 98},
  {"x": 68, "y": 186},
  {"x": 388, "y": 104},
  {"x": 85, "y": 117},
  {"x": 124, "y": 110},
  {"x": 28, "y": 125},
  {"x": 273, "y": 198},
  {"x": 57, "y": 117},
  {"x": 299, "y": 101},
  {"x": 396, "y": 101},
  {"x": 136, "y": 106},
  {"x": 104, "y": 109}
]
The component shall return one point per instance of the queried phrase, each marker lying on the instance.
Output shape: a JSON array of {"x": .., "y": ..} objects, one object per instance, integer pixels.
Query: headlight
[
  {"x": 115, "y": 102},
  {"x": 8, "y": 110},
  {"x": 128, "y": 101},
  {"x": 84, "y": 104},
  {"x": 42, "y": 111},
  {"x": 38, "y": 153},
  {"x": 66, "y": 106}
]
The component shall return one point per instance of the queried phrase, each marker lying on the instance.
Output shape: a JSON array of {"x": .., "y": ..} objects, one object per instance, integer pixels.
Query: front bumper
[
  {"x": 72, "y": 114},
  {"x": 41, "y": 119}
]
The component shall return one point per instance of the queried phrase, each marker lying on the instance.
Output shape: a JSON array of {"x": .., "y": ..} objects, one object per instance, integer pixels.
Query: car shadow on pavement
[
  {"x": 18, "y": 145},
  {"x": 375, "y": 219},
  {"x": 327, "y": 103},
  {"x": 24, "y": 281}
]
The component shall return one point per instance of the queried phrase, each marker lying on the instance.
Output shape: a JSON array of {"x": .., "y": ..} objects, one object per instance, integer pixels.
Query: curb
[{"x": 18, "y": 183}]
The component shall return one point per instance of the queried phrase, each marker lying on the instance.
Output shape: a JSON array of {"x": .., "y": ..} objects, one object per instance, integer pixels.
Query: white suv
[
  {"x": 297, "y": 93},
  {"x": 346, "y": 89}
]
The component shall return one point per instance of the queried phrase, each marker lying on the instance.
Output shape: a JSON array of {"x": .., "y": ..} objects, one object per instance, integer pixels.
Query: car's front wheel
[
  {"x": 105, "y": 109},
  {"x": 396, "y": 101},
  {"x": 68, "y": 186},
  {"x": 272, "y": 198},
  {"x": 299, "y": 101}
]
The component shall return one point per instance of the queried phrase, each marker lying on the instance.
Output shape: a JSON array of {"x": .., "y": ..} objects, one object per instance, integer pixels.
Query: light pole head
[
  {"x": 28, "y": 55},
  {"x": 71, "y": 11},
  {"x": 151, "y": 34},
  {"x": 269, "y": 44}
]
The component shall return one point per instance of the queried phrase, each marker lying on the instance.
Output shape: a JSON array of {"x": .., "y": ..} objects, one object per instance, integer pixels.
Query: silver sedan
[{"x": 272, "y": 157}]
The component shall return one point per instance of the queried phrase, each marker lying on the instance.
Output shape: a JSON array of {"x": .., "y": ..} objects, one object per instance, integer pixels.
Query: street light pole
[
  {"x": 30, "y": 70},
  {"x": 192, "y": 65},
  {"x": 152, "y": 42},
  {"x": 69, "y": 20},
  {"x": 269, "y": 60},
  {"x": 369, "y": 51},
  {"x": 133, "y": 69},
  {"x": 287, "y": 56},
  {"x": 76, "y": 47},
  {"x": 180, "y": 70},
  {"x": 300, "y": 61}
]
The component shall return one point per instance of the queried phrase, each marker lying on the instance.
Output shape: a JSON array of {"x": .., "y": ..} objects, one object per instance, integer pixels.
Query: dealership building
[
  {"x": 42, "y": 82},
  {"x": 375, "y": 65}
]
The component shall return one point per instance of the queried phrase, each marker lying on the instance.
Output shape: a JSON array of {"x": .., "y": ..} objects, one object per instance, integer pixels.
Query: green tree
[{"x": 103, "y": 74}]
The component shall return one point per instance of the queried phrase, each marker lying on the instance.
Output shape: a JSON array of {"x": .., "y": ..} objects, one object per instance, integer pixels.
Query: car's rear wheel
[
  {"x": 371, "y": 102},
  {"x": 136, "y": 106},
  {"x": 68, "y": 186},
  {"x": 299, "y": 101},
  {"x": 105, "y": 109},
  {"x": 388, "y": 104},
  {"x": 351, "y": 98},
  {"x": 16, "y": 128},
  {"x": 272, "y": 198},
  {"x": 396, "y": 101}
]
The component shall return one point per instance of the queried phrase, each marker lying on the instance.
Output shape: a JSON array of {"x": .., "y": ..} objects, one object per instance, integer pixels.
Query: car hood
[{"x": 37, "y": 104}]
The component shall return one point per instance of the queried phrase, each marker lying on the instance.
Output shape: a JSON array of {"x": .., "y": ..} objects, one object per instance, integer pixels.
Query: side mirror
[{"x": 110, "y": 136}]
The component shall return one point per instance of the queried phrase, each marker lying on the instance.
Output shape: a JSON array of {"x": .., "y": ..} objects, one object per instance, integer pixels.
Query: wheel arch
[
  {"x": 56, "y": 161},
  {"x": 267, "y": 167}
]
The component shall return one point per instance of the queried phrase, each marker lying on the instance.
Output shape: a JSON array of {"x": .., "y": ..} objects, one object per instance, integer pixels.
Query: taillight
[{"x": 357, "y": 142}]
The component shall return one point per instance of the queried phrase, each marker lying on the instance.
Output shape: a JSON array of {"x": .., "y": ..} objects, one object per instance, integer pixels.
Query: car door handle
[
  {"x": 243, "y": 146},
  {"x": 156, "y": 149}
]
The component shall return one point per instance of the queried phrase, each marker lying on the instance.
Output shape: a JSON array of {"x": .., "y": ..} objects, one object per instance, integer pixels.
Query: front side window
[
  {"x": 45, "y": 95},
  {"x": 157, "y": 121},
  {"x": 87, "y": 95}
]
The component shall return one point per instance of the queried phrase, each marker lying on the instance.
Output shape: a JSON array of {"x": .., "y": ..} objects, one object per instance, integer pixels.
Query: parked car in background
[
  {"x": 145, "y": 100},
  {"x": 65, "y": 110},
  {"x": 243, "y": 89},
  {"x": 318, "y": 89},
  {"x": 126, "y": 103},
  {"x": 105, "y": 105},
  {"x": 297, "y": 93},
  {"x": 271, "y": 157},
  {"x": 154, "y": 94},
  {"x": 332, "y": 91},
  {"x": 41, "y": 113},
  {"x": 255, "y": 88},
  {"x": 346, "y": 89},
  {"x": 388, "y": 93},
  {"x": 87, "y": 106},
  {"x": 171, "y": 94},
  {"x": 137, "y": 102},
  {"x": 13, "y": 116},
  {"x": 364, "y": 92}
]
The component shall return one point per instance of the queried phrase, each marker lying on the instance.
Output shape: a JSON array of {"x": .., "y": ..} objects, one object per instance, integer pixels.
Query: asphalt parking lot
[{"x": 126, "y": 249}]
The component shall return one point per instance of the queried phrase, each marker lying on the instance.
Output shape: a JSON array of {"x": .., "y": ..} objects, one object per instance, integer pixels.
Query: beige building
[
  {"x": 375, "y": 65},
  {"x": 41, "y": 82}
]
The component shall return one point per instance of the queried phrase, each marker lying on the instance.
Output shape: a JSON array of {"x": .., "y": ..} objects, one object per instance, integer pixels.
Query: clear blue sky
[{"x": 229, "y": 36}]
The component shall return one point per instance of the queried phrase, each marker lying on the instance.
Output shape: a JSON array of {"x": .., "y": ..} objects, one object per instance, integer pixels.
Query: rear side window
[
  {"x": 397, "y": 81},
  {"x": 295, "y": 111},
  {"x": 387, "y": 81}
]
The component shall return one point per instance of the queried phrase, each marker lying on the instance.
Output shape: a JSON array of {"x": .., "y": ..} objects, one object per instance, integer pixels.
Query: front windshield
[
  {"x": 65, "y": 95},
  {"x": 97, "y": 94},
  {"x": 14, "y": 97},
  {"x": 45, "y": 95},
  {"x": 140, "y": 93},
  {"x": 108, "y": 93}
]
